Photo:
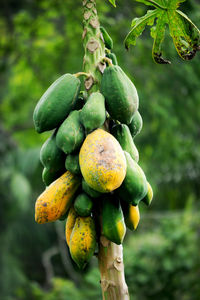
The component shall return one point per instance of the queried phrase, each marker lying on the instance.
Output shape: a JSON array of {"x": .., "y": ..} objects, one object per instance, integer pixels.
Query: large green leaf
[{"x": 185, "y": 35}]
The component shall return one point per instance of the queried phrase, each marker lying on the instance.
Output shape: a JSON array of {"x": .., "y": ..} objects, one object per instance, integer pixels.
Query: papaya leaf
[
  {"x": 112, "y": 2},
  {"x": 185, "y": 35}
]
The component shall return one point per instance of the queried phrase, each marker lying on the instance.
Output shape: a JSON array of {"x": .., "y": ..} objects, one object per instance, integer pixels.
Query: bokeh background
[{"x": 39, "y": 41}]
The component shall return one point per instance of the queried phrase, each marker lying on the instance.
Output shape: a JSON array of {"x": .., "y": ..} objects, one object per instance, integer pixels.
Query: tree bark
[{"x": 110, "y": 255}]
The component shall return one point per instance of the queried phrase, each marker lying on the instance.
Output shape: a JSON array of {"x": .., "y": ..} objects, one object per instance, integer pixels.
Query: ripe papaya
[
  {"x": 51, "y": 156},
  {"x": 113, "y": 57},
  {"x": 56, "y": 103},
  {"x": 122, "y": 133},
  {"x": 113, "y": 225},
  {"x": 120, "y": 94},
  {"x": 93, "y": 114},
  {"x": 49, "y": 175},
  {"x": 102, "y": 161},
  {"x": 71, "y": 219},
  {"x": 89, "y": 191},
  {"x": 107, "y": 39},
  {"x": 136, "y": 124},
  {"x": 134, "y": 187},
  {"x": 70, "y": 134},
  {"x": 56, "y": 199},
  {"x": 83, "y": 205},
  {"x": 82, "y": 241},
  {"x": 131, "y": 215},
  {"x": 149, "y": 196},
  {"x": 72, "y": 164}
]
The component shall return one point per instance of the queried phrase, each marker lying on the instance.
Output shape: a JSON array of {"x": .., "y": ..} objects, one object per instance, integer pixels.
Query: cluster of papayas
[{"x": 91, "y": 171}]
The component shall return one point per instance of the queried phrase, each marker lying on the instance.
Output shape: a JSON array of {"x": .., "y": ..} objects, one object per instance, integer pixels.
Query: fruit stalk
[{"x": 110, "y": 255}]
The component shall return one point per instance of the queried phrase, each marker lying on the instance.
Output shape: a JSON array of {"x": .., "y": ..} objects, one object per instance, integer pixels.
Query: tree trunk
[{"x": 110, "y": 255}]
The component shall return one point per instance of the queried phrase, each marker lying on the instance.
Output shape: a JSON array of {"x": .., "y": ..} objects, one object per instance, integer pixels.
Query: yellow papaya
[
  {"x": 82, "y": 241},
  {"x": 54, "y": 202},
  {"x": 149, "y": 196},
  {"x": 131, "y": 215},
  {"x": 102, "y": 161},
  {"x": 71, "y": 219}
]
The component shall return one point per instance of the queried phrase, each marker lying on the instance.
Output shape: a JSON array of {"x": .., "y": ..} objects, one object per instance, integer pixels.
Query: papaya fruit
[
  {"x": 131, "y": 215},
  {"x": 71, "y": 219},
  {"x": 107, "y": 39},
  {"x": 82, "y": 241},
  {"x": 83, "y": 205},
  {"x": 113, "y": 226},
  {"x": 49, "y": 175},
  {"x": 89, "y": 191},
  {"x": 51, "y": 156},
  {"x": 149, "y": 196},
  {"x": 134, "y": 187},
  {"x": 120, "y": 94},
  {"x": 102, "y": 161},
  {"x": 56, "y": 103},
  {"x": 72, "y": 164},
  {"x": 55, "y": 201},
  {"x": 122, "y": 133},
  {"x": 93, "y": 113},
  {"x": 136, "y": 124},
  {"x": 70, "y": 134},
  {"x": 113, "y": 57}
]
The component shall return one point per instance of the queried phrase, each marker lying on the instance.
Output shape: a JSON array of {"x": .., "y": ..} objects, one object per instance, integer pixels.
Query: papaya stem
[
  {"x": 110, "y": 255},
  {"x": 81, "y": 74}
]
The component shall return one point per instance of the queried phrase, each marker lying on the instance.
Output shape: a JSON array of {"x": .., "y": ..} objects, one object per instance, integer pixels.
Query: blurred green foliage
[{"x": 40, "y": 40}]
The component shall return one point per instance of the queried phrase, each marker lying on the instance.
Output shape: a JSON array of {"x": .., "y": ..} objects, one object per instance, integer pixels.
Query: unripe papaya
[
  {"x": 51, "y": 156},
  {"x": 82, "y": 241},
  {"x": 71, "y": 219},
  {"x": 102, "y": 161},
  {"x": 49, "y": 175},
  {"x": 134, "y": 187},
  {"x": 70, "y": 134},
  {"x": 107, "y": 39},
  {"x": 149, "y": 196},
  {"x": 136, "y": 124},
  {"x": 56, "y": 199},
  {"x": 83, "y": 205},
  {"x": 113, "y": 225},
  {"x": 122, "y": 133},
  {"x": 56, "y": 103},
  {"x": 120, "y": 94},
  {"x": 72, "y": 164},
  {"x": 113, "y": 57},
  {"x": 93, "y": 114},
  {"x": 89, "y": 191},
  {"x": 131, "y": 215}
]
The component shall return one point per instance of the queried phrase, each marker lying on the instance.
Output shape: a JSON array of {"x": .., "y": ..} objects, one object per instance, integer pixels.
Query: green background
[{"x": 41, "y": 40}]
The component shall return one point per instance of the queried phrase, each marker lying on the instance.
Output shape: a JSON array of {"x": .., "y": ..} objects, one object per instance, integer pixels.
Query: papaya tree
[{"x": 91, "y": 171}]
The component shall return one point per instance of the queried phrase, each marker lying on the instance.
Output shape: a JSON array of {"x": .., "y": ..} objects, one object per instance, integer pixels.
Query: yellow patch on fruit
[
  {"x": 133, "y": 217},
  {"x": 82, "y": 241},
  {"x": 54, "y": 202},
  {"x": 71, "y": 219},
  {"x": 102, "y": 161}
]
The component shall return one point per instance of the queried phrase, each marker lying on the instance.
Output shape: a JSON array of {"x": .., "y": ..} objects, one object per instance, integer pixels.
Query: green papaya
[
  {"x": 89, "y": 191},
  {"x": 70, "y": 134},
  {"x": 56, "y": 103},
  {"x": 120, "y": 94},
  {"x": 107, "y": 39},
  {"x": 93, "y": 114},
  {"x": 134, "y": 187},
  {"x": 83, "y": 205},
  {"x": 113, "y": 57},
  {"x": 72, "y": 164},
  {"x": 51, "y": 156},
  {"x": 113, "y": 225},
  {"x": 122, "y": 133},
  {"x": 149, "y": 196},
  {"x": 136, "y": 124},
  {"x": 49, "y": 175}
]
